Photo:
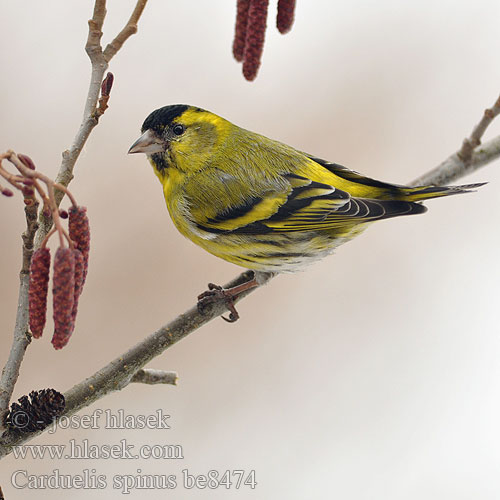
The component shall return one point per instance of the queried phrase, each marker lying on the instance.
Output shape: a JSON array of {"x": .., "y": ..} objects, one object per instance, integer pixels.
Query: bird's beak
[{"x": 148, "y": 143}]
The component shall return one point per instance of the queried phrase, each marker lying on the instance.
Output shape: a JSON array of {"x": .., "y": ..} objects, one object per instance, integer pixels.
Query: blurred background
[{"x": 373, "y": 374}]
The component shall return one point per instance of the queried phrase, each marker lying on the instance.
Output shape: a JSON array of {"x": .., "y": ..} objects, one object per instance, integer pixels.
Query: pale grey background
[{"x": 373, "y": 374}]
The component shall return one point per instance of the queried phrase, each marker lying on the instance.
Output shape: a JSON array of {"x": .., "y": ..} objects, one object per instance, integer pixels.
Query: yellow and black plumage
[
  {"x": 260, "y": 203},
  {"x": 257, "y": 202}
]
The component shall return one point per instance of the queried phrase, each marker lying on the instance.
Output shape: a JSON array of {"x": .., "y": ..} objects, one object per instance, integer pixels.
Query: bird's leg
[{"x": 228, "y": 295}]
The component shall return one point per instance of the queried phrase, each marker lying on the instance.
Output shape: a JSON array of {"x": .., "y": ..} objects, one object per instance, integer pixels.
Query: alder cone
[{"x": 35, "y": 412}]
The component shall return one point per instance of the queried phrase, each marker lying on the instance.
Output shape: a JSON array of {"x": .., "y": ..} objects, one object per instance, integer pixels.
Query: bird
[{"x": 259, "y": 203}]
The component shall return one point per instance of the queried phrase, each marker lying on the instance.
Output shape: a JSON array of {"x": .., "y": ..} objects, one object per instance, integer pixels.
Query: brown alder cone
[
  {"x": 79, "y": 232},
  {"x": 34, "y": 412},
  {"x": 63, "y": 290},
  {"x": 38, "y": 288},
  {"x": 284, "y": 20},
  {"x": 254, "y": 42},
  {"x": 240, "y": 30}
]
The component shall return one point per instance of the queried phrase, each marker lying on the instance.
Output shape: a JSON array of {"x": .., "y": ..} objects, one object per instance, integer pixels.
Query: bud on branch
[{"x": 106, "y": 87}]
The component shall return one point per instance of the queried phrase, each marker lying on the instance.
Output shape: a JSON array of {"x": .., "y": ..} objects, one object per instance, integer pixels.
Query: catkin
[
  {"x": 240, "y": 31},
  {"x": 250, "y": 31},
  {"x": 284, "y": 19},
  {"x": 79, "y": 265},
  {"x": 79, "y": 232},
  {"x": 38, "y": 287},
  {"x": 255, "y": 35},
  {"x": 63, "y": 289}
]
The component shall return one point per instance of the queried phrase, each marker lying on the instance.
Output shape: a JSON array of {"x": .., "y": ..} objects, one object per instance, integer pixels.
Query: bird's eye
[{"x": 178, "y": 129}]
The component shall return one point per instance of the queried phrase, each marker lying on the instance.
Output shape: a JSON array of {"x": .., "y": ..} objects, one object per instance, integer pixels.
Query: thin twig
[
  {"x": 129, "y": 30},
  {"x": 95, "y": 28},
  {"x": 469, "y": 157},
  {"x": 31, "y": 213},
  {"x": 474, "y": 140},
  {"x": 29, "y": 180},
  {"x": 100, "y": 62},
  {"x": 30, "y": 175},
  {"x": 454, "y": 167},
  {"x": 152, "y": 377}
]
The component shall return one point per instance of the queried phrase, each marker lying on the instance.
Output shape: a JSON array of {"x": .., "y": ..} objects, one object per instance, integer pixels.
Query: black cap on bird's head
[
  {"x": 160, "y": 128},
  {"x": 158, "y": 119}
]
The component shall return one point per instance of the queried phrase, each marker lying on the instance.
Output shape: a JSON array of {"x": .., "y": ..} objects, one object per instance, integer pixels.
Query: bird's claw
[{"x": 214, "y": 294}]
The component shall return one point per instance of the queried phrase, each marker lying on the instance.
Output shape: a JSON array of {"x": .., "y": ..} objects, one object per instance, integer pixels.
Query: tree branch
[
  {"x": 22, "y": 337},
  {"x": 470, "y": 157},
  {"x": 120, "y": 372},
  {"x": 474, "y": 140},
  {"x": 129, "y": 29},
  {"x": 93, "y": 46},
  {"x": 69, "y": 157},
  {"x": 100, "y": 62},
  {"x": 152, "y": 377},
  {"x": 454, "y": 167}
]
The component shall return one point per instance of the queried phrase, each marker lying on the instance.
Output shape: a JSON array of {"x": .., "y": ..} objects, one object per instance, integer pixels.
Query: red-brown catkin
[
  {"x": 63, "y": 289},
  {"x": 240, "y": 30},
  {"x": 78, "y": 281},
  {"x": 254, "y": 42},
  {"x": 37, "y": 295},
  {"x": 79, "y": 232},
  {"x": 284, "y": 20}
]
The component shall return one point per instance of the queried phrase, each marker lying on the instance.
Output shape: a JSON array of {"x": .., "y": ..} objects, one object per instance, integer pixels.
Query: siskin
[{"x": 259, "y": 203}]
